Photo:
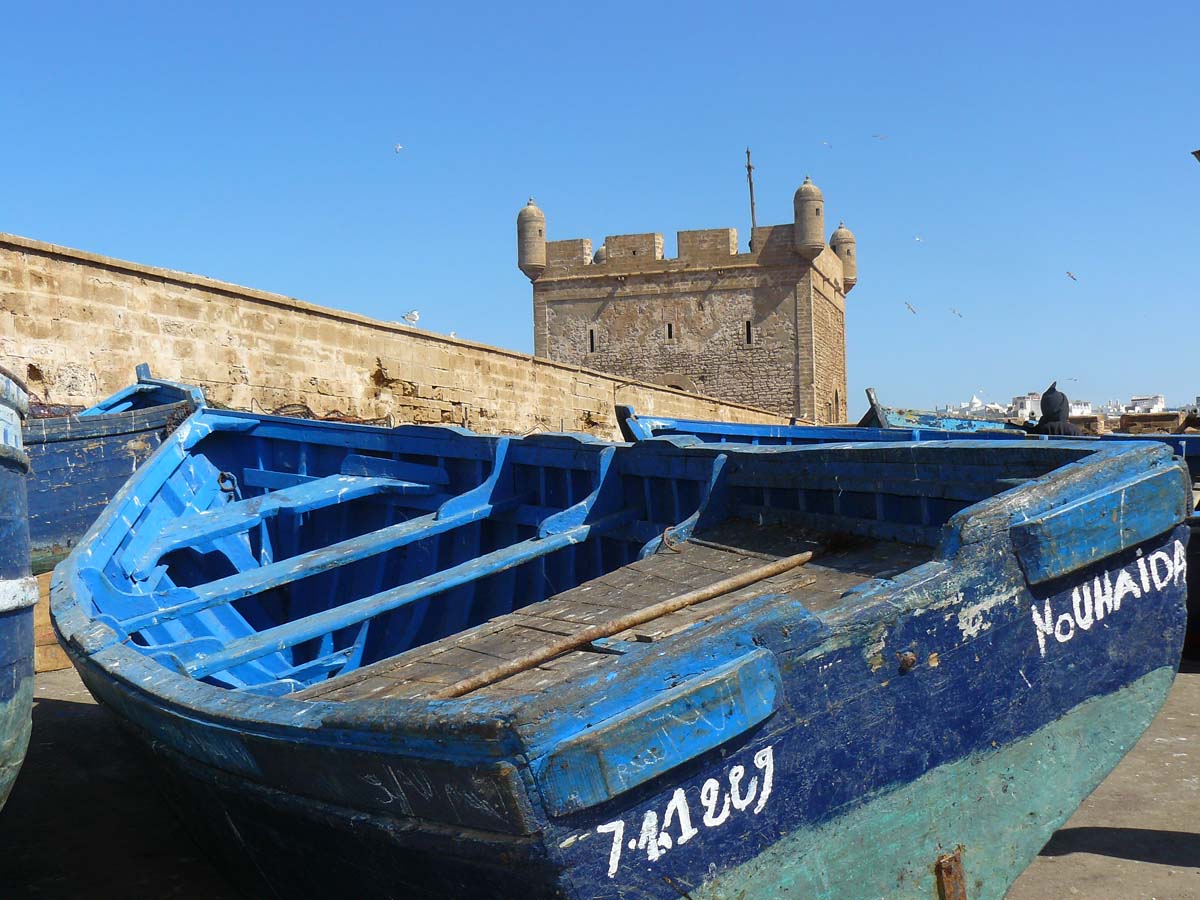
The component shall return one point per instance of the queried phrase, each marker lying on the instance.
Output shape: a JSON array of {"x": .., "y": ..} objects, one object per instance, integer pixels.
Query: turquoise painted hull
[{"x": 999, "y": 806}]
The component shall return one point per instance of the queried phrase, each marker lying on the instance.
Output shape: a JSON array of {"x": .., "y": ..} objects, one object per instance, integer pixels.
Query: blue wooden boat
[
  {"x": 79, "y": 461},
  {"x": 880, "y": 416},
  {"x": 419, "y": 662},
  {"x": 640, "y": 428},
  {"x": 18, "y": 591},
  {"x": 636, "y": 428},
  {"x": 1185, "y": 446}
]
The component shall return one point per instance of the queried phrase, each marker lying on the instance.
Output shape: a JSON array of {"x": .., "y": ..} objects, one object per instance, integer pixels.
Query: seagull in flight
[
  {"x": 827, "y": 144},
  {"x": 1071, "y": 275},
  {"x": 919, "y": 239},
  {"x": 912, "y": 309},
  {"x": 399, "y": 147},
  {"x": 956, "y": 312},
  {"x": 879, "y": 137},
  {"x": 412, "y": 317}
]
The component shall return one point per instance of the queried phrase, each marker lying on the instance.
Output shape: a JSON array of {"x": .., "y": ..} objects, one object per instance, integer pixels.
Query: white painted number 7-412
[{"x": 656, "y": 841}]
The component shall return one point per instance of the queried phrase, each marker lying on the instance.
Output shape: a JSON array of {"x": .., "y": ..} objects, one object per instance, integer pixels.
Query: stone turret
[
  {"x": 842, "y": 243},
  {"x": 531, "y": 241},
  {"x": 765, "y": 328},
  {"x": 808, "y": 234}
]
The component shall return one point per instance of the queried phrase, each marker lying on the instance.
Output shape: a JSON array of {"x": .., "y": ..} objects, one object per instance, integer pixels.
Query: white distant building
[
  {"x": 1081, "y": 408},
  {"x": 1151, "y": 403},
  {"x": 973, "y": 408},
  {"x": 1027, "y": 406},
  {"x": 1113, "y": 408}
]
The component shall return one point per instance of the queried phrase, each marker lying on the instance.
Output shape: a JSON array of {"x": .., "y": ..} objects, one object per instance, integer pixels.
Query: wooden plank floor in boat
[{"x": 696, "y": 563}]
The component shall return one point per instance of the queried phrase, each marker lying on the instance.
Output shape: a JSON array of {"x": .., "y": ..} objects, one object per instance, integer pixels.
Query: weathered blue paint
[
  {"x": 18, "y": 592},
  {"x": 598, "y": 765},
  {"x": 1052, "y": 543},
  {"x": 710, "y": 748},
  {"x": 79, "y": 461}
]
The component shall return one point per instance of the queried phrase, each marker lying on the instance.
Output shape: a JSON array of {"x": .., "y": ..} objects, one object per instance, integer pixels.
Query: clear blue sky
[{"x": 256, "y": 146}]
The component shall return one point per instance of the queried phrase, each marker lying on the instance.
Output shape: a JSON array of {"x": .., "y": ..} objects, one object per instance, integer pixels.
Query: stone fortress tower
[{"x": 766, "y": 327}]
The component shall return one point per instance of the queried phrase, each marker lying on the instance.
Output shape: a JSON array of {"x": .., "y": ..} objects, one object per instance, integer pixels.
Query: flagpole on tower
[{"x": 750, "y": 181}]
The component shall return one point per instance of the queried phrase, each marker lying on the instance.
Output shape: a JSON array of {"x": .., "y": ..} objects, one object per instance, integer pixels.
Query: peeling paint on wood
[{"x": 80, "y": 461}]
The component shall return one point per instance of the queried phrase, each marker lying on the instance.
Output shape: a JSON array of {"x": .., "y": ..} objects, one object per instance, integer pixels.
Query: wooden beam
[{"x": 623, "y": 623}]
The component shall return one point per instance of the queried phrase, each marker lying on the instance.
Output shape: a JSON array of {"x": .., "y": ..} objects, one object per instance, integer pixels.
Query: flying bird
[
  {"x": 412, "y": 317},
  {"x": 918, "y": 239},
  {"x": 399, "y": 147},
  {"x": 454, "y": 334},
  {"x": 827, "y": 144},
  {"x": 956, "y": 312},
  {"x": 879, "y": 137},
  {"x": 1071, "y": 275},
  {"x": 912, "y": 309}
]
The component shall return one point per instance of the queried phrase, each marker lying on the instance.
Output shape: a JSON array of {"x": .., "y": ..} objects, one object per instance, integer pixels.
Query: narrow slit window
[
  {"x": 749, "y": 332},
  {"x": 591, "y": 340},
  {"x": 670, "y": 331}
]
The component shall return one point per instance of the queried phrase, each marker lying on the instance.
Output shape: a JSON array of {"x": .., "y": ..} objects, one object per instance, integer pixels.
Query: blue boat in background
[
  {"x": 18, "y": 591},
  {"x": 640, "y": 428},
  {"x": 1185, "y": 446},
  {"x": 880, "y": 416},
  {"x": 79, "y": 461},
  {"x": 421, "y": 662}
]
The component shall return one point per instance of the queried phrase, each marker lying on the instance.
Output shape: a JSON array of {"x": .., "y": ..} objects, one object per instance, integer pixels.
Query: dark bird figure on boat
[{"x": 1056, "y": 415}]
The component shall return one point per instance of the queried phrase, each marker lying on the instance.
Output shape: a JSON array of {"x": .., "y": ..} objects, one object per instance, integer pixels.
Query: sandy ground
[
  {"x": 85, "y": 821},
  {"x": 1138, "y": 836}
]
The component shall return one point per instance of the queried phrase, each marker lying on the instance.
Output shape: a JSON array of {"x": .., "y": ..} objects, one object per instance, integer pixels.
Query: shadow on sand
[
  {"x": 1168, "y": 848},
  {"x": 86, "y": 818}
]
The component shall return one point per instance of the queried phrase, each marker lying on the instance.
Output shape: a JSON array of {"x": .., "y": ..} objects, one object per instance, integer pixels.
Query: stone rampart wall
[{"x": 75, "y": 324}]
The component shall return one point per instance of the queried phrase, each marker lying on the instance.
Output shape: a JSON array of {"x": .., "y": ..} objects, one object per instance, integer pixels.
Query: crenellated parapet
[
  {"x": 698, "y": 251},
  {"x": 792, "y": 244}
]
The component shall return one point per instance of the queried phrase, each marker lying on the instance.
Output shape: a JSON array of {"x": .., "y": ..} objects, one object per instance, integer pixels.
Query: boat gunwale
[
  {"x": 638, "y": 429},
  {"x": 61, "y": 429}
]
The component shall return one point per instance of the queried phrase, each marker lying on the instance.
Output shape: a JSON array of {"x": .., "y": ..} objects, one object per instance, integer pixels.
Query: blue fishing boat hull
[
  {"x": 964, "y": 754},
  {"x": 18, "y": 591},
  {"x": 984, "y": 632},
  {"x": 80, "y": 461}
]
